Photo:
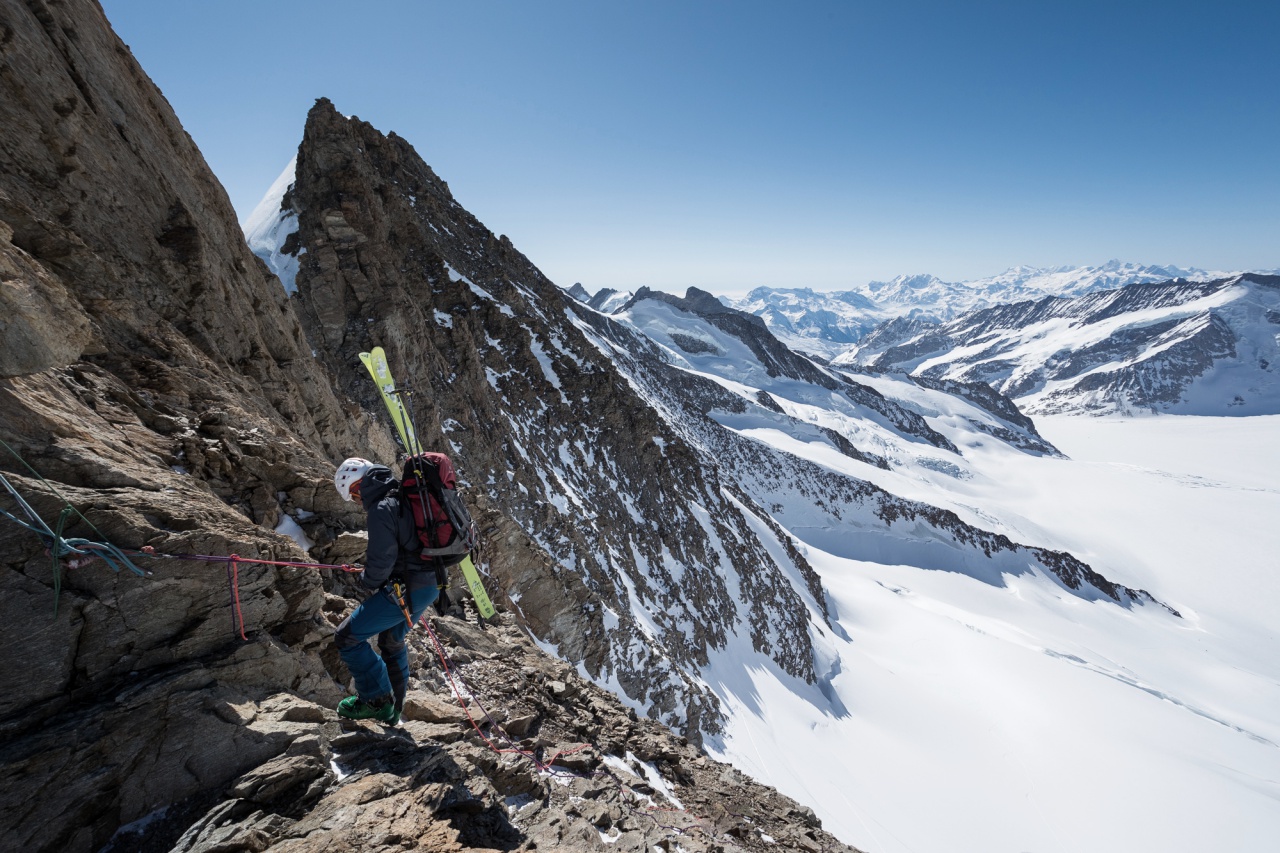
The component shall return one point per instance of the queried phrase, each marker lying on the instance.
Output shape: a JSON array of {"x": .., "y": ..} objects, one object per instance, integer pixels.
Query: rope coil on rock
[{"x": 81, "y": 551}]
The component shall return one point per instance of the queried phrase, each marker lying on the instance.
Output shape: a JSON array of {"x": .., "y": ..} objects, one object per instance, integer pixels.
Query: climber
[{"x": 404, "y": 587}]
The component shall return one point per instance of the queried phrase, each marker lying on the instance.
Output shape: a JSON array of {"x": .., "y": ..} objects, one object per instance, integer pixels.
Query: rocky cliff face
[
  {"x": 152, "y": 371},
  {"x": 156, "y": 376}
]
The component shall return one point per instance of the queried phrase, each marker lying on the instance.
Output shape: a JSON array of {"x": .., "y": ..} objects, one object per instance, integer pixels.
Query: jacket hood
[{"x": 377, "y": 482}]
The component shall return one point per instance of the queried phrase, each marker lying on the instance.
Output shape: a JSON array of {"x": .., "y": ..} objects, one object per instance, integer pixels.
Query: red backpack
[{"x": 443, "y": 523}]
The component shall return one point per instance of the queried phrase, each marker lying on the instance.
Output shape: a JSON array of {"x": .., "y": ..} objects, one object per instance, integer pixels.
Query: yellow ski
[
  {"x": 376, "y": 363},
  {"x": 483, "y": 604}
]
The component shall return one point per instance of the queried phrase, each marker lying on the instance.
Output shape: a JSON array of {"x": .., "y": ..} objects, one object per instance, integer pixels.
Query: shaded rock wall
[{"x": 154, "y": 373}]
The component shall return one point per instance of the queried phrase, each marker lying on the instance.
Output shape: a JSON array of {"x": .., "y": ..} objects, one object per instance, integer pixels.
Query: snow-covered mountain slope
[
  {"x": 1189, "y": 348},
  {"x": 1011, "y": 718},
  {"x": 809, "y": 321},
  {"x": 818, "y": 443},
  {"x": 828, "y": 323},
  {"x": 883, "y": 414}
]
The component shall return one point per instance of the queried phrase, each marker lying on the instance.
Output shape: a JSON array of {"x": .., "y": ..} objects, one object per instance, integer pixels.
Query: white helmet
[{"x": 349, "y": 473}]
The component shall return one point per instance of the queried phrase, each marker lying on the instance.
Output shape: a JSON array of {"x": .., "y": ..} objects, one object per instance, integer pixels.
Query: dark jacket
[{"x": 393, "y": 541}]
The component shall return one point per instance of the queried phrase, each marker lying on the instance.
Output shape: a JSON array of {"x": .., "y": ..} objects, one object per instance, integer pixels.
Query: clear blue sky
[{"x": 736, "y": 143}]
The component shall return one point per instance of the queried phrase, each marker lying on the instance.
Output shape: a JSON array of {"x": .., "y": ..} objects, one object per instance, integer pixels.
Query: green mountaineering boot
[{"x": 381, "y": 709}]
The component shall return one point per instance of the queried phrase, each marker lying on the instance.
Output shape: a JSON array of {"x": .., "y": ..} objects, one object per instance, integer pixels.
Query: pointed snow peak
[
  {"x": 645, "y": 292},
  {"x": 608, "y": 301},
  {"x": 781, "y": 297},
  {"x": 270, "y": 226}
]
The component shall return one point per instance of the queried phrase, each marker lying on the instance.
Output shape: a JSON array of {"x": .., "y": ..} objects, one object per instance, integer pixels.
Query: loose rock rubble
[{"x": 535, "y": 758}]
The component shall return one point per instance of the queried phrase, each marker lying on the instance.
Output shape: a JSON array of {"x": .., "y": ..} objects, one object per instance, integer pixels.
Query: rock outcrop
[{"x": 537, "y": 758}]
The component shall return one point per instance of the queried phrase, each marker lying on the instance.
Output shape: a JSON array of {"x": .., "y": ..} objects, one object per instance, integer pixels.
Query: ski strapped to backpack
[{"x": 434, "y": 484}]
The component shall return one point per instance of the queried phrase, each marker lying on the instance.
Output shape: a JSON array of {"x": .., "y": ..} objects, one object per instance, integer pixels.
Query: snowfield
[{"x": 961, "y": 715}]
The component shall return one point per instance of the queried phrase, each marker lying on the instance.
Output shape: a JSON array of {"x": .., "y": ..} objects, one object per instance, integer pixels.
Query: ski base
[{"x": 472, "y": 577}]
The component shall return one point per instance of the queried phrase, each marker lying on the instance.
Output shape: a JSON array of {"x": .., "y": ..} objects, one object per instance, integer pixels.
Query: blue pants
[{"x": 387, "y": 672}]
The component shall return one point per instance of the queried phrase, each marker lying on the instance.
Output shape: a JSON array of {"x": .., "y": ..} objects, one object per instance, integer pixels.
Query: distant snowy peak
[
  {"x": 1207, "y": 348},
  {"x": 270, "y": 226},
  {"x": 606, "y": 300},
  {"x": 826, "y": 323},
  {"x": 814, "y": 322},
  {"x": 950, "y": 299},
  {"x": 915, "y": 289}
]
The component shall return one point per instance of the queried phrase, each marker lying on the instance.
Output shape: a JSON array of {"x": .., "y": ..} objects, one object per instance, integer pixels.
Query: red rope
[
  {"x": 233, "y": 574},
  {"x": 149, "y": 551}
]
